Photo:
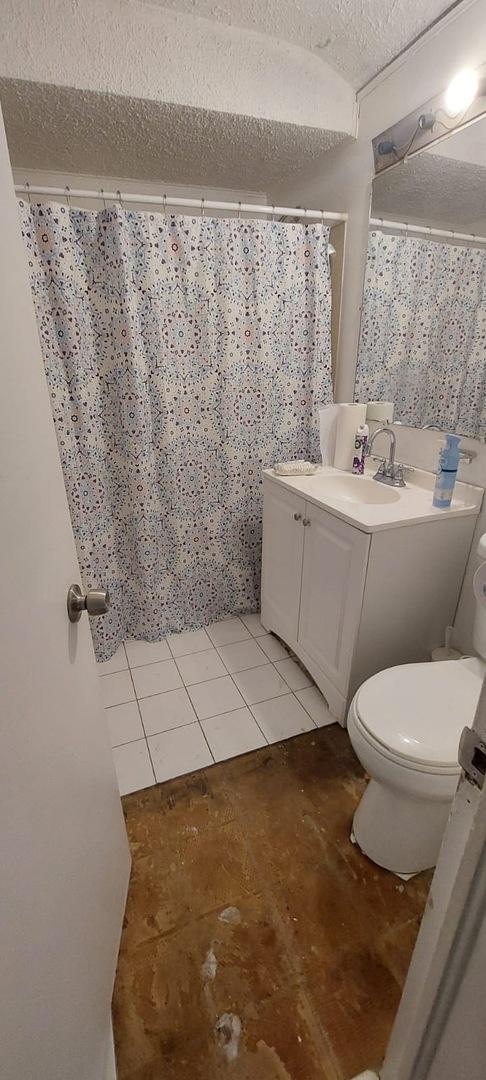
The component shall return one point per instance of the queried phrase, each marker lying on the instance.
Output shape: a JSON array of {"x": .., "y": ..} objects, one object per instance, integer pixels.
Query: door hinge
[{"x": 472, "y": 756}]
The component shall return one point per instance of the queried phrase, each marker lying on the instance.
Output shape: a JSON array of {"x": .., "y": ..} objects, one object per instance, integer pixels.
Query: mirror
[{"x": 423, "y": 323}]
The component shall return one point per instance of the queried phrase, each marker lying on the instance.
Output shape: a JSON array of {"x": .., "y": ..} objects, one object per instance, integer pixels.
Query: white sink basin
[
  {"x": 356, "y": 489},
  {"x": 370, "y": 505}
]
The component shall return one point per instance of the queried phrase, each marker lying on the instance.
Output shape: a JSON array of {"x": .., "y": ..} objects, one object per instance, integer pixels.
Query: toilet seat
[{"x": 414, "y": 713}]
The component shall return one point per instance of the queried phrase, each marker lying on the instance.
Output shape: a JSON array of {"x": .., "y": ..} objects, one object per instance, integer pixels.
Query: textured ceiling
[
  {"x": 66, "y": 130},
  {"x": 434, "y": 190},
  {"x": 467, "y": 145},
  {"x": 356, "y": 37}
]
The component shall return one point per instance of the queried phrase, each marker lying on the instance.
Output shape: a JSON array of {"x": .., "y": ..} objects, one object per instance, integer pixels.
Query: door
[
  {"x": 283, "y": 545},
  {"x": 439, "y": 1028},
  {"x": 64, "y": 853},
  {"x": 333, "y": 577}
]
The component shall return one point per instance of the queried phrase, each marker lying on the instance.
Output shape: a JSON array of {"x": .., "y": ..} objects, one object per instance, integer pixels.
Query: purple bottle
[{"x": 360, "y": 448}]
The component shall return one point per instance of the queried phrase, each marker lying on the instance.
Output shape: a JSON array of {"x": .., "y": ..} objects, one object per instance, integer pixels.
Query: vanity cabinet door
[
  {"x": 334, "y": 570},
  {"x": 283, "y": 546}
]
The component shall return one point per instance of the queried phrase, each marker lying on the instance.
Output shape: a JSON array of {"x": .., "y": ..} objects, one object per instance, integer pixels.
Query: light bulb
[{"x": 461, "y": 92}]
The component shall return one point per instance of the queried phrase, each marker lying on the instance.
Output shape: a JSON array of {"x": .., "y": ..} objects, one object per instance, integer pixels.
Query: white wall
[
  {"x": 146, "y": 51},
  {"x": 345, "y": 178},
  {"x": 421, "y": 448}
]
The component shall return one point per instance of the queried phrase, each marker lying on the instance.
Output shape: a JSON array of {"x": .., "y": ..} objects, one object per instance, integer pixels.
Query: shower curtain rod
[
  {"x": 171, "y": 200},
  {"x": 402, "y": 226}
]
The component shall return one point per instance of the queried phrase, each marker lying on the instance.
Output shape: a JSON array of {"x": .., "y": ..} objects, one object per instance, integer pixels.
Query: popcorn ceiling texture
[
  {"x": 434, "y": 190},
  {"x": 144, "y": 51},
  {"x": 356, "y": 38},
  {"x": 77, "y": 131}
]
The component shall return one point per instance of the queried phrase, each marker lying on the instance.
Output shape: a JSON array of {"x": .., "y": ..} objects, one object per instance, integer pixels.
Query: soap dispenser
[{"x": 446, "y": 472}]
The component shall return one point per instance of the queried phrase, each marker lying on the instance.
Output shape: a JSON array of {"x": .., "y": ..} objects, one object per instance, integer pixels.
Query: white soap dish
[{"x": 295, "y": 468}]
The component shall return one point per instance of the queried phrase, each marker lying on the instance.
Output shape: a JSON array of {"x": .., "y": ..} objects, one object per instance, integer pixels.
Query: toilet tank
[{"x": 479, "y": 628}]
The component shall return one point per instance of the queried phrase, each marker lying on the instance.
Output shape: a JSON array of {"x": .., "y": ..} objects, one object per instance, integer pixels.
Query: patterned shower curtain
[
  {"x": 182, "y": 356},
  {"x": 423, "y": 329}
]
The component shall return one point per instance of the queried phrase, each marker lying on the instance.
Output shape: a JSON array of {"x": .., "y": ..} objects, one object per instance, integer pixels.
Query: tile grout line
[
  {"x": 143, "y": 726},
  {"x": 211, "y": 648},
  {"x": 230, "y": 674},
  {"x": 243, "y": 699},
  {"x": 247, "y": 706},
  {"x": 187, "y": 686},
  {"x": 192, "y": 704},
  {"x": 165, "y": 639},
  {"x": 203, "y": 628}
]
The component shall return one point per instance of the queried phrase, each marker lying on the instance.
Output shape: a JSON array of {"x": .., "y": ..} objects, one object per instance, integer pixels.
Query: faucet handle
[{"x": 404, "y": 467}]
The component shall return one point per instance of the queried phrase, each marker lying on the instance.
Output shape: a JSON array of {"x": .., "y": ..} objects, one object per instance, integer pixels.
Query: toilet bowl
[{"x": 405, "y": 724}]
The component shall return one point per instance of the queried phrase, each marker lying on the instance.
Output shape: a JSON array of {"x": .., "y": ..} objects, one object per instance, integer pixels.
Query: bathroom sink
[
  {"x": 357, "y": 489},
  {"x": 370, "y": 505}
]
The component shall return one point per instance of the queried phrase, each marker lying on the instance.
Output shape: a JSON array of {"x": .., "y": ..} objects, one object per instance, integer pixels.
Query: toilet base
[
  {"x": 401, "y": 834},
  {"x": 403, "y": 877}
]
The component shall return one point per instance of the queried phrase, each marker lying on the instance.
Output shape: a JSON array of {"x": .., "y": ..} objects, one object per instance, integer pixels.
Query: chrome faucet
[{"x": 388, "y": 471}]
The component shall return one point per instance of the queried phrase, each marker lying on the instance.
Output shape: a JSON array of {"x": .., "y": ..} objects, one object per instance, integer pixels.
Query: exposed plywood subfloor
[{"x": 301, "y": 978}]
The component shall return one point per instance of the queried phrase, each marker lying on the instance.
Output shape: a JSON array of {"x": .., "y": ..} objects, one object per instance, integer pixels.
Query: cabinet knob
[
  {"x": 297, "y": 517},
  {"x": 306, "y": 521}
]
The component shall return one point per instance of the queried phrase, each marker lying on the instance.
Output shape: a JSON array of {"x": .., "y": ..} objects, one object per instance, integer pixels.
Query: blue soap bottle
[{"x": 446, "y": 472}]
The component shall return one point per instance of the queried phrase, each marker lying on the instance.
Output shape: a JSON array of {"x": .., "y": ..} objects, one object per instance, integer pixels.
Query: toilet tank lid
[
  {"x": 418, "y": 711},
  {"x": 482, "y": 546}
]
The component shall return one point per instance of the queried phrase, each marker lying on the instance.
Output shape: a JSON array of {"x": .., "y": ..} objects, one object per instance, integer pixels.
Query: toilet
[{"x": 405, "y": 724}]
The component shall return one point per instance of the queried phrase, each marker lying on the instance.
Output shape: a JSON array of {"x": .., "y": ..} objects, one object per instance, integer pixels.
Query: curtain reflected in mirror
[{"x": 423, "y": 324}]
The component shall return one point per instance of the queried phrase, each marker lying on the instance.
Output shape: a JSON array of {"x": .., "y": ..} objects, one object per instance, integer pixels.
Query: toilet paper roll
[
  {"x": 350, "y": 416},
  {"x": 380, "y": 410}
]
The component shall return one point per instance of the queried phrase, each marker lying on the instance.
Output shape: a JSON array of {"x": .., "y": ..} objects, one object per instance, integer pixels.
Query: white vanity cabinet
[
  {"x": 333, "y": 577},
  {"x": 351, "y": 601}
]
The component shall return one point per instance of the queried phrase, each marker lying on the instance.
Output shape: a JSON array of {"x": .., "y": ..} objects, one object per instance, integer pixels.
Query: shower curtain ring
[
  {"x": 103, "y": 197},
  {"x": 164, "y": 203},
  {"x": 273, "y": 213},
  {"x": 27, "y": 185},
  {"x": 322, "y": 218},
  {"x": 67, "y": 192},
  {"x": 119, "y": 198},
  {"x": 239, "y": 211},
  {"x": 202, "y": 207}
]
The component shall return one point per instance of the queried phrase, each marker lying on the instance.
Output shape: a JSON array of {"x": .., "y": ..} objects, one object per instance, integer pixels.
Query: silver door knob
[{"x": 95, "y": 602}]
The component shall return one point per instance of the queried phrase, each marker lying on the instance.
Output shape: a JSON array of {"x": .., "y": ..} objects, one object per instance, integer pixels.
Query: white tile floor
[{"x": 202, "y": 696}]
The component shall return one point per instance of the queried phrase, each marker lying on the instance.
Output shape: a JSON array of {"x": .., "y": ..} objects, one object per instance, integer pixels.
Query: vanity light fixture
[
  {"x": 460, "y": 93},
  {"x": 460, "y": 104}
]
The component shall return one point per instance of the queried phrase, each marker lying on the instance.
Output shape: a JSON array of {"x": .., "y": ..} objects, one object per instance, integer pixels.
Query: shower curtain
[
  {"x": 423, "y": 328},
  {"x": 183, "y": 355}
]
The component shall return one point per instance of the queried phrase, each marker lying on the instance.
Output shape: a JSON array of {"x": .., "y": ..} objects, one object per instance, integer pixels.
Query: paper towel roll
[
  {"x": 327, "y": 432},
  {"x": 350, "y": 416},
  {"x": 380, "y": 410}
]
